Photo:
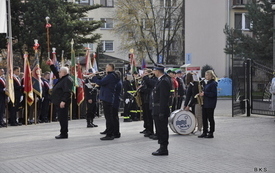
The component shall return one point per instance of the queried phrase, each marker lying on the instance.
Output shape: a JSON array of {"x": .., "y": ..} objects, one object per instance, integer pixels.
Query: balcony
[{"x": 240, "y": 4}]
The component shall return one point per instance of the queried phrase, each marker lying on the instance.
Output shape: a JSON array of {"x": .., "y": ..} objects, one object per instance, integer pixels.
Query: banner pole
[{"x": 26, "y": 110}]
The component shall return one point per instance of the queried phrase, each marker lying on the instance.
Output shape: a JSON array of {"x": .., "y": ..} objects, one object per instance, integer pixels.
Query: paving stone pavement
[{"x": 241, "y": 145}]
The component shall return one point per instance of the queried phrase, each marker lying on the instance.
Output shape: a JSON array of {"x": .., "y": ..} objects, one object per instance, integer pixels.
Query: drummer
[{"x": 160, "y": 110}]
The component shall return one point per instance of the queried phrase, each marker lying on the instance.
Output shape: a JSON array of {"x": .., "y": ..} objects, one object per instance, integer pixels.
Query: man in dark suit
[
  {"x": 106, "y": 95},
  {"x": 161, "y": 111},
  {"x": 18, "y": 93},
  {"x": 46, "y": 97},
  {"x": 61, "y": 98}
]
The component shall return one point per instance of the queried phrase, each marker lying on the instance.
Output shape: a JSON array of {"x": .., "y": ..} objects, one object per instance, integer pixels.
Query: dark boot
[
  {"x": 162, "y": 151},
  {"x": 203, "y": 135},
  {"x": 210, "y": 135}
]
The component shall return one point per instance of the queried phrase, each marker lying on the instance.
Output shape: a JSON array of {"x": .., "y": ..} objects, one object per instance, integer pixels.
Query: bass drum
[{"x": 182, "y": 122}]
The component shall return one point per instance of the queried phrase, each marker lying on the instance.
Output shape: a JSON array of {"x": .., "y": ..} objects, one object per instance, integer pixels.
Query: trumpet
[{"x": 102, "y": 73}]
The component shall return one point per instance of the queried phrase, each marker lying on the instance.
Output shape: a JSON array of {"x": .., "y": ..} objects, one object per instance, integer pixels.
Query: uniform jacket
[
  {"x": 107, "y": 86},
  {"x": 62, "y": 90},
  {"x": 90, "y": 93},
  {"x": 161, "y": 94},
  {"x": 210, "y": 94},
  {"x": 2, "y": 92},
  {"x": 118, "y": 89},
  {"x": 181, "y": 86}
]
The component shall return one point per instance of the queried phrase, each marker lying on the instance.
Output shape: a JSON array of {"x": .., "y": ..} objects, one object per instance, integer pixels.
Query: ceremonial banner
[
  {"x": 132, "y": 63},
  {"x": 88, "y": 60},
  {"x": 143, "y": 63},
  {"x": 36, "y": 73},
  {"x": 28, "y": 87},
  {"x": 73, "y": 71},
  {"x": 80, "y": 88},
  {"x": 95, "y": 68},
  {"x": 3, "y": 16},
  {"x": 9, "y": 75}
]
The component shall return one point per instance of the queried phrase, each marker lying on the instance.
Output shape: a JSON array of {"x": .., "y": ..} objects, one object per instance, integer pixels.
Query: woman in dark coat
[{"x": 209, "y": 95}]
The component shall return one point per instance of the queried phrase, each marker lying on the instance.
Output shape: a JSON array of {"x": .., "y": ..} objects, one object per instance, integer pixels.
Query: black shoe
[
  {"x": 94, "y": 125},
  {"x": 103, "y": 133},
  {"x": 203, "y": 135},
  {"x": 89, "y": 126},
  {"x": 117, "y": 135},
  {"x": 143, "y": 131},
  {"x": 210, "y": 135},
  {"x": 160, "y": 152},
  {"x": 107, "y": 138},
  {"x": 148, "y": 134},
  {"x": 61, "y": 136},
  {"x": 154, "y": 137}
]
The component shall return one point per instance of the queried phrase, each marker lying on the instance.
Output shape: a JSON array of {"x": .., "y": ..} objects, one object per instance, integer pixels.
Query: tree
[
  {"x": 29, "y": 23},
  {"x": 151, "y": 28},
  {"x": 259, "y": 46}
]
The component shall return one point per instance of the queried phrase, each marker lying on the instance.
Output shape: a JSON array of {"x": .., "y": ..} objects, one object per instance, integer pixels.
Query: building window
[
  {"x": 168, "y": 3},
  {"x": 86, "y": 19},
  {"x": 107, "y": 3},
  {"x": 108, "y": 45},
  {"x": 242, "y": 22},
  {"x": 107, "y": 23},
  {"x": 89, "y": 45},
  {"x": 241, "y": 2},
  {"x": 168, "y": 24},
  {"x": 147, "y": 24},
  {"x": 87, "y": 2}
]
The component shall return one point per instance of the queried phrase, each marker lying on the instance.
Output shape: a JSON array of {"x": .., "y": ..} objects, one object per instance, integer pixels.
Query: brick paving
[{"x": 241, "y": 145}]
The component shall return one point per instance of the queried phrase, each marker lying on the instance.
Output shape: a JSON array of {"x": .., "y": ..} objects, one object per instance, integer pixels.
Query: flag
[
  {"x": 80, "y": 88},
  {"x": 56, "y": 64},
  {"x": 28, "y": 87},
  {"x": 94, "y": 65},
  {"x": 9, "y": 74},
  {"x": 88, "y": 60},
  {"x": 3, "y": 16},
  {"x": 36, "y": 74},
  {"x": 132, "y": 63},
  {"x": 73, "y": 71},
  {"x": 143, "y": 63}
]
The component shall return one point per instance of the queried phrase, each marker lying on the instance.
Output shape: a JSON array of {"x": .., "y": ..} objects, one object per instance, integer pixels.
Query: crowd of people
[{"x": 150, "y": 96}]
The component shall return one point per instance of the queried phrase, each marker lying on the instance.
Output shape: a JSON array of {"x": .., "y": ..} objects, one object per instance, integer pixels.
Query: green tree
[
  {"x": 259, "y": 46},
  {"x": 29, "y": 23}
]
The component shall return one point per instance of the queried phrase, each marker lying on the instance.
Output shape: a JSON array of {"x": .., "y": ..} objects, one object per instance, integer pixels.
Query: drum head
[{"x": 182, "y": 122}]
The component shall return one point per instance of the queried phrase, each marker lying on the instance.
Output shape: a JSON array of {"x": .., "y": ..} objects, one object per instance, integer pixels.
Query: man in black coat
[
  {"x": 161, "y": 111},
  {"x": 61, "y": 98},
  {"x": 46, "y": 97}
]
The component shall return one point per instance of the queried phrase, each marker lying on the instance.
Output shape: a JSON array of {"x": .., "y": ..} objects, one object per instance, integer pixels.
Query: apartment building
[{"x": 204, "y": 37}]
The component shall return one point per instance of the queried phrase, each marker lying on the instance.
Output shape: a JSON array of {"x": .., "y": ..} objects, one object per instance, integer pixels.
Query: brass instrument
[
  {"x": 197, "y": 96},
  {"x": 102, "y": 73}
]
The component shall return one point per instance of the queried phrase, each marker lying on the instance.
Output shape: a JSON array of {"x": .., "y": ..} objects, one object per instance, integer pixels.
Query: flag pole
[
  {"x": 35, "y": 109},
  {"x": 48, "y": 25},
  {"x": 26, "y": 109}
]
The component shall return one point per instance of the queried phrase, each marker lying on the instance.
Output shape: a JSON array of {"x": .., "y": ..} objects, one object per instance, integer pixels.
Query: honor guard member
[
  {"x": 61, "y": 98},
  {"x": 91, "y": 93},
  {"x": 18, "y": 93},
  {"x": 146, "y": 88},
  {"x": 127, "y": 97},
  {"x": 46, "y": 97},
  {"x": 106, "y": 95},
  {"x": 161, "y": 111},
  {"x": 2, "y": 97},
  {"x": 174, "y": 92}
]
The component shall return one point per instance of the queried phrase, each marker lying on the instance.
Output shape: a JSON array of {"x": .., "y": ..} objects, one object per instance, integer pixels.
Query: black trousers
[
  {"x": 147, "y": 118},
  {"x": 162, "y": 129},
  {"x": 180, "y": 98},
  {"x": 62, "y": 114},
  {"x": 91, "y": 111},
  {"x": 116, "y": 121},
  {"x": 107, "y": 109},
  {"x": 45, "y": 109},
  {"x": 2, "y": 109},
  {"x": 208, "y": 115}
]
